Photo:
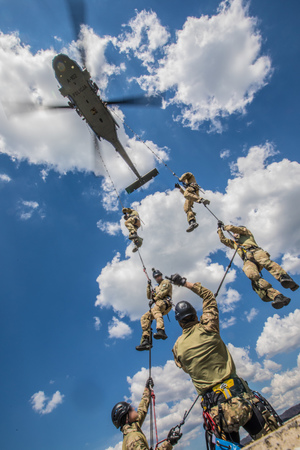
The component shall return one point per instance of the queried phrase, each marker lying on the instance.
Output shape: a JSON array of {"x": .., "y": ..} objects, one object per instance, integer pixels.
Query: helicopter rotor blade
[
  {"x": 77, "y": 12},
  {"x": 16, "y": 108},
  {"x": 142, "y": 100}
]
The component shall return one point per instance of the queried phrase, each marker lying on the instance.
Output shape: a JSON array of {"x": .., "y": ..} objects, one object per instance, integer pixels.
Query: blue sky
[{"x": 72, "y": 292}]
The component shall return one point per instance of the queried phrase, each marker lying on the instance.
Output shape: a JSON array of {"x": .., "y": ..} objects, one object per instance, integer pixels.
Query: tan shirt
[{"x": 200, "y": 351}]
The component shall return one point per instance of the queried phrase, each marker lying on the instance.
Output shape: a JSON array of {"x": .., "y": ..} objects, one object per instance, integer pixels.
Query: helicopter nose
[{"x": 59, "y": 63}]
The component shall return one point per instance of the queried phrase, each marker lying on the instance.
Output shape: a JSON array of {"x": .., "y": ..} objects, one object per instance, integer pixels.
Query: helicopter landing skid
[{"x": 141, "y": 181}]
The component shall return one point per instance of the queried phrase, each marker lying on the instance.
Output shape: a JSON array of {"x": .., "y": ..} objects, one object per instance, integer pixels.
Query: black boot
[
  {"x": 133, "y": 236},
  {"x": 288, "y": 283},
  {"x": 145, "y": 345},
  {"x": 192, "y": 225},
  {"x": 160, "y": 334},
  {"x": 280, "y": 301}
]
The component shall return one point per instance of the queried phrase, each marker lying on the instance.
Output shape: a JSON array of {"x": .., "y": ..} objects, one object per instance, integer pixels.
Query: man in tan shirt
[{"x": 201, "y": 352}]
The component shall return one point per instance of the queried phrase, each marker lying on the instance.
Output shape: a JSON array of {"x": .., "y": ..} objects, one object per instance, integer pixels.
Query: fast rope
[
  {"x": 144, "y": 268},
  {"x": 149, "y": 148},
  {"x": 110, "y": 178},
  {"x": 228, "y": 267}
]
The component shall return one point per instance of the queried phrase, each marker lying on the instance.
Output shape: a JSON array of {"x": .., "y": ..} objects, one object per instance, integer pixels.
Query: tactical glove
[
  {"x": 177, "y": 279},
  {"x": 177, "y": 185},
  {"x": 174, "y": 436},
  {"x": 150, "y": 383},
  {"x": 220, "y": 224},
  {"x": 149, "y": 282}
]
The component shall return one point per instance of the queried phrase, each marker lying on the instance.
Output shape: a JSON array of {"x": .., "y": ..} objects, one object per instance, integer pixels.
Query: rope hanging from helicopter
[
  {"x": 98, "y": 153},
  {"x": 149, "y": 148}
]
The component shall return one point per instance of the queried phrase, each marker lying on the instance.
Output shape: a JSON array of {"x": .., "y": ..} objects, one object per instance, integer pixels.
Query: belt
[{"x": 232, "y": 387}]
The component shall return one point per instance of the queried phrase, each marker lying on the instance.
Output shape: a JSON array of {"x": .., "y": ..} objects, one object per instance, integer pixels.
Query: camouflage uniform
[
  {"x": 191, "y": 194},
  {"x": 133, "y": 437},
  {"x": 201, "y": 353},
  {"x": 255, "y": 259},
  {"x": 162, "y": 298},
  {"x": 132, "y": 222}
]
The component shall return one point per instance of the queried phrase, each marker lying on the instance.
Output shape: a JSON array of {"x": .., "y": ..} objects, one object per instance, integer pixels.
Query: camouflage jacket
[
  {"x": 246, "y": 239},
  {"x": 163, "y": 290},
  {"x": 133, "y": 437},
  {"x": 200, "y": 351},
  {"x": 130, "y": 213}
]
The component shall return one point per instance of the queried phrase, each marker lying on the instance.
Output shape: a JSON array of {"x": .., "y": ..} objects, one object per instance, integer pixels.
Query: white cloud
[
  {"x": 291, "y": 263},
  {"x": 43, "y": 404},
  {"x": 249, "y": 370},
  {"x": 253, "y": 197},
  {"x": 118, "y": 329},
  {"x": 226, "y": 323},
  {"x": 279, "y": 335},
  {"x": 31, "y": 136},
  {"x": 26, "y": 209},
  {"x": 146, "y": 36},
  {"x": 225, "y": 154},
  {"x": 215, "y": 67},
  {"x": 284, "y": 389},
  {"x": 251, "y": 314},
  {"x": 97, "y": 323},
  {"x": 227, "y": 301},
  {"x": 4, "y": 178},
  {"x": 111, "y": 228}
]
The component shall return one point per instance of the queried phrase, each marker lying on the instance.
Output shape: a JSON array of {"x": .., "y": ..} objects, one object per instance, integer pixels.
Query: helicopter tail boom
[{"x": 141, "y": 181}]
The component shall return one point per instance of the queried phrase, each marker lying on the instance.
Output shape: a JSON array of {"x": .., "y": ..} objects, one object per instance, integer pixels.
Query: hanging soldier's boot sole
[
  {"x": 145, "y": 345},
  {"x": 192, "y": 227},
  {"x": 280, "y": 301},
  {"x": 160, "y": 334},
  {"x": 138, "y": 243},
  {"x": 288, "y": 283}
]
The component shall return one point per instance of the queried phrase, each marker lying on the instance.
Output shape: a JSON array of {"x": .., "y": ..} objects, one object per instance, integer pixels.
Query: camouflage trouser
[
  {"x": 237, "y": 411},
  {"x": 132, "y": 224},
  {"x": 262, "y": 287},
  {"x": 191, "y": 195},
  {"x": 160, "y": 309}
]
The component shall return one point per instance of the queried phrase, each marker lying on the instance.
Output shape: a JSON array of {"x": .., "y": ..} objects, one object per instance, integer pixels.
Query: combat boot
[
  {"x": 160, "y": 334},
  {"x": 133, "y": 236},
  {"x": 280, "y": 301},
  {"x": 145, "y": 345},
  {"x": 192, "y": 225},
  {"x": 288, "y": 283}
]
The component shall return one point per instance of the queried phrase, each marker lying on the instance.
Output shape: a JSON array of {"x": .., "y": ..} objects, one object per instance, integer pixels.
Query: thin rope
[
  {"x": 228, "y": 267},
  {"x": 151, "y": 409},
  {"x": 149, "y": 148},
  {"x": 144, "y": 268},
  {"x": 110, "y": 178}
]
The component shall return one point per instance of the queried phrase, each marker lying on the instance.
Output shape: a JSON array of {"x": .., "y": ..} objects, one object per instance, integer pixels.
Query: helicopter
[
  {"x": 83, "y": 96},
  {"x": 82, "y": 92}
]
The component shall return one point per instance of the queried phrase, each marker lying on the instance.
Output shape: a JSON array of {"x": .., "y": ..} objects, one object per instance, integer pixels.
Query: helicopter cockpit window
[{"x": 61, "y": 67}]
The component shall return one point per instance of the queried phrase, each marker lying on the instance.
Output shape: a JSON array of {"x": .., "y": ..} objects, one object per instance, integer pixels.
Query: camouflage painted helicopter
[{"x": 82, "y": 92}]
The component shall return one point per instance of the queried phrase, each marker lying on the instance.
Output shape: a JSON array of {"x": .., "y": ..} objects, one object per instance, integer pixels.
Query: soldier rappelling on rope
[
  {"x": 201, "y": 353},
  {"x": 160, "y": 303},
  {"x": 191, "y": 195},
  {"x": 255, "y": 259},
  {"x": 133, "y": 223},
  {"x": 124, "y": 416}
]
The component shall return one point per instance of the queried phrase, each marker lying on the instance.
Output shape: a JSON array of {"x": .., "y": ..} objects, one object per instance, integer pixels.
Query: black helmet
[
  {"x": 183, "y": 310},
  {"x": 156, "y": 273},
  {"x": 118, "y": 412}
]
